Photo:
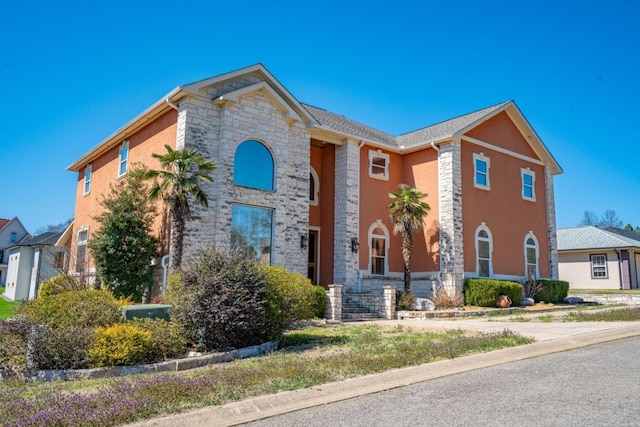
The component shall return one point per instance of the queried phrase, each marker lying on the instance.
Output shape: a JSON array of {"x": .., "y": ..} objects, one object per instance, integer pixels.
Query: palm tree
[
  {"x": 182, "y": 171},
  {"x": 407, "y": 213}
]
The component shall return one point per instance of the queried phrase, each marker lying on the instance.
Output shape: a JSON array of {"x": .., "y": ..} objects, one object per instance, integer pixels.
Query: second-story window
[
  {"x": 481, "y": 164},
  {"x": 378, "y": 165},
  {"x": 124, "y": 158},
  {"x": 87, "y": 180},
  {"x": 528, "y": 181}
]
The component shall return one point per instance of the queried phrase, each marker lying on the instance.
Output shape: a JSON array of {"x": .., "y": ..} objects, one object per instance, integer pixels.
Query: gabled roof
[
  {"x": 448, "y": 128},
  {"x": 590, "y": 237},
  {"x": 3, "y": 223}
]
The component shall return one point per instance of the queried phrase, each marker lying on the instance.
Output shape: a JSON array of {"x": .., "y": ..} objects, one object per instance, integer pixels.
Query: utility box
[{"x": 151, "y": 311}]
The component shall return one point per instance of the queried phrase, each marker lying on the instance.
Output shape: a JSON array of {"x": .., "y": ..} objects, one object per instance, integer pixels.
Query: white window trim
[
  {"x": 13, "y": 237},
  {"x": 86, "y": 189},
  {"x": 121, "y": 160},
  {"x": 606, "y": 266},
  {"x": 378, "y": 224},
  {"x": 379, "y": 154},
  {"x": 314, "y": 200},
  {"x": 530, "y": 235},
  {"x": 527, "y": 171},
  {"x": 484, "y": 227},
  {"x": 487, "y": 160},
  {"x": 83, "y": 242}
]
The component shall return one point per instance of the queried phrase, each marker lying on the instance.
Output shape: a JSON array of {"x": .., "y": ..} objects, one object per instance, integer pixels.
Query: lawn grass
[
  {"x": 310, "y": 356},
  {"x": 7, "y": 308},
  {"x": 628, "y": 314}
]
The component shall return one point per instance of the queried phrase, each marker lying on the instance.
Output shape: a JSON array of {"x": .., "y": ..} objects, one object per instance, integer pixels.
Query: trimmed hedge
[
  {"x": 484, "y": 292},
  {"x": 553, "y": 291}
]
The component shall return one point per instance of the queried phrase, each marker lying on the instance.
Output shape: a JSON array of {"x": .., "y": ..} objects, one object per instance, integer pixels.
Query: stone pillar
[
  {"x": 450, "y": 207},
  {"x": 347, "y": 193},
  {"x": 333, "y": 307},
  {"x": 389, "y": 301},
  {"x": 552, "y": 239}
]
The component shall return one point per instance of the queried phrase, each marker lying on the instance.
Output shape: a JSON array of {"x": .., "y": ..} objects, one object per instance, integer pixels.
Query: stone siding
[
  {"x": 216, "y": 131},
  {"x": 420, "y": 286},
  {"x": 346, "y": 214},
  {"x": 551, "y": 224},
  {"x": 450, "y": 208}
]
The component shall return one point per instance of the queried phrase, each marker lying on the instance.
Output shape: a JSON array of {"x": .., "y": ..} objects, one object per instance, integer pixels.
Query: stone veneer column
[
  {"x": 551, "y": 224},
  {"x": 347, "y": 192},
  {"x": 450, "y": 207}
]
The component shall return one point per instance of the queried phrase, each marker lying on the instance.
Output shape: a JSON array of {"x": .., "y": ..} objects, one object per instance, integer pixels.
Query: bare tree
[
  {"x": 610, "y": 219},
  {"x": 589, "y": 218}
]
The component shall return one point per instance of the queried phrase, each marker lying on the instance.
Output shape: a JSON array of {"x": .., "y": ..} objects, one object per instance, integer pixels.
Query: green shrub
[
  {"x": 167, "y": 339},
  {"x": 122, "y": 344},
  {"x": 61, "y": 348},
  {"x": 552, "y": 291},
  {"x": 60, "y": 284},
  {"x": 484, "y": 292},
  {"x": 89, "y": 308},
  {"x": 320, "y": 296},
  {"x": 14, "y": 336},
  {"x": 174, "y": 289},
  {"x": 290, "y": 297},
  {"x": 404, "y": 300},
  {"x": 222, "y": 304}
]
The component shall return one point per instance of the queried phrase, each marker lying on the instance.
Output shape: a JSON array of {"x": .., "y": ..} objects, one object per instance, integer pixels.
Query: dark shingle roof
[{"x": 48, "y": 238}]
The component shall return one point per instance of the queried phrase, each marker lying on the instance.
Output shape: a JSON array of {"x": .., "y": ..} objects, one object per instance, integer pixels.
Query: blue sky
[{"x": 71, "y": 73}]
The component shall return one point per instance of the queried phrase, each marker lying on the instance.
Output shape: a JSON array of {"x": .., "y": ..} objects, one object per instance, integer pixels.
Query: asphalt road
[{"x": 597, "y": 385}]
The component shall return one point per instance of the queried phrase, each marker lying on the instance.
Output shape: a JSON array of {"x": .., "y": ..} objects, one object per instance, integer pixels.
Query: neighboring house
[
  {"x": 308, "y": 189},
  {"x": 592, "y": 258},
  {"x": 31, "y": 262},
  {"x": 11, "y": 232}
]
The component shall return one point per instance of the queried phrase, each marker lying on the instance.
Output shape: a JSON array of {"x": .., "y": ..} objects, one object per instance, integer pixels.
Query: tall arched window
[
  {"x": 531, "y": 255},
  {"x": 378, "y": 248},
  {"x": 484, "y": 247},
  {"x": 253, "y": 166},
  {"x": 314, "y": 186}
]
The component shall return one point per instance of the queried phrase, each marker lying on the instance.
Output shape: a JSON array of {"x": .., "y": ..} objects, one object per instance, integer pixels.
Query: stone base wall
[
  {"x": 627, "y": 299},
  {"x": 420, "y": 285},
  {"x": 383, "y": 303}
]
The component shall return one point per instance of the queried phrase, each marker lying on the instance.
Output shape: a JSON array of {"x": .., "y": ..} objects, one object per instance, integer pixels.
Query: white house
[
  {"x": 11, "y": 232},
  {"x": 30, "y": 262},
  {"x": 593, "y": 258}
]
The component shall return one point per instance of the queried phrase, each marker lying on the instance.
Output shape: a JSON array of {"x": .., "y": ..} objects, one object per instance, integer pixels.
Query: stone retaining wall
[{"x": 629, "y": 299}]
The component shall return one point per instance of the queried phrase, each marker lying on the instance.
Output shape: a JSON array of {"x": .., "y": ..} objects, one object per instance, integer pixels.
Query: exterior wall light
[
  {"x": 304, "y": 241},
  {"x": 354, "y": 245}
]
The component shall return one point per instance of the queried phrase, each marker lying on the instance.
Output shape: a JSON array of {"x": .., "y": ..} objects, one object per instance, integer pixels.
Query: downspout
[
  {"x": 619, "y": 267},
  {"x": 163, "y": 263},
  {"x": 439, "y": 277},
  {"x": 171, "y": 104},
  {"x": 360, "y": 145}
]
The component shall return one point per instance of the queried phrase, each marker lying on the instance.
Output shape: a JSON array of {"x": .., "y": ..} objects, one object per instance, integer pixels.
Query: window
[
  {"x": 599, "y": 266},
  {"x": 483, "y": 250},
  {"x": 14, "y": 237},
  {"x": 378, "y": 165},
  {"x": 253, "y": 166},
  {"x": 251, "y": 231},
  {"x": 124, "y": 158},
  {"x": 528, "y": 188},
  {"x": 378, "y": 247},
  {"x": 58, "y": 260},
  {"x": 481, "y": 165},
  {"x": 81, "y": 250},
  {"x": 87, "y": 180},
  {"x": 531, "y": 256},
  {"x": 314, "y": 187}
]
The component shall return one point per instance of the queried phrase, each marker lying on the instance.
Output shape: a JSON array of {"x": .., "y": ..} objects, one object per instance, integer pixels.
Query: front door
[{"x": 312, "y": 262}]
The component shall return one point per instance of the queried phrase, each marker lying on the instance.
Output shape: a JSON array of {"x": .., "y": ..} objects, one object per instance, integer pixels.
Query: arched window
[
  {"x": 484, "y": 247},
  {"x": 531, "y": 255},
  {"x": 314, "y": 187},
  {"x": 253, "y": 166},
  {"x": 378, "y": 248}
]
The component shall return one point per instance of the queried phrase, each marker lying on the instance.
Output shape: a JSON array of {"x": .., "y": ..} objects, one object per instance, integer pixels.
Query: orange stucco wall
[
  {"x": 416, "y": 169},
  {"x": 151, "y": 139},
  {"x": 500, "y": 130},
  {"x": 502, "y": 208},
  {"x": 322, "y": 215}
]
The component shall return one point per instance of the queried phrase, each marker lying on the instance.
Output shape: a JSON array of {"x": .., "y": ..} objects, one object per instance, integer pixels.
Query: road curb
[{"x": 271, "y": 405}]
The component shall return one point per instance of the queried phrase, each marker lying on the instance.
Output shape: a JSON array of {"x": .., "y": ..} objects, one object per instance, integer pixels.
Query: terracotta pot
[{"x": 503, "y": 301}]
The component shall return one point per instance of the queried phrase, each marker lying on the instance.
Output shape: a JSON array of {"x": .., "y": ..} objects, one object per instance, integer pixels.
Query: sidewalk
[{"x": 551, "y": 337}]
